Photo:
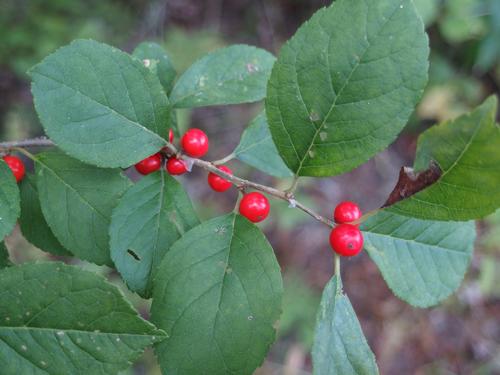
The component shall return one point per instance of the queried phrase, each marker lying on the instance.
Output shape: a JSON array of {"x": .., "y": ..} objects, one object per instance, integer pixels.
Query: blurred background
[{"x": 462, "y": 335}]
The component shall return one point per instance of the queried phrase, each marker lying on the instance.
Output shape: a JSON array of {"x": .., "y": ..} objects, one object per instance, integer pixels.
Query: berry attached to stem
[
  {"x": 195, "y": 143},
  {"x": 254, "y": 206},
  {"x": 149, "y": 165},
  {"x": 347, "y": 212},
  {"x": 218, "y": 183},
  {"x": 16, "y": 165},
  {"x": 346, "y": 240},
  {"x": 176, "y": 166}
]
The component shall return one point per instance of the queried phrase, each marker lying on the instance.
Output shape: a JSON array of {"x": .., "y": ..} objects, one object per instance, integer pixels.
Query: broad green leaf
[
  {"x": 428, "y": 10},
  {"x": 422, "y": 261},
  {"x": 77, "y": 200},
  {"x": 33, "y": 225},
  {"x": 231, "y": 75},
  {"x": 466, "y": 149},
  {"x": 345, "y": 85},
  {"x": 4, "y": 256},
  {"x": 151, "y": 216},
  {"x": 164, "y": 68},
  {"x": 340, "y": 348},
  {"x": 217, "y": 294},
  {"x": 58, "y": 319},
  {"x": 257, "y": 149},
  {"x": 9, "y": 200},
  {"x": 100, "y": 105}
]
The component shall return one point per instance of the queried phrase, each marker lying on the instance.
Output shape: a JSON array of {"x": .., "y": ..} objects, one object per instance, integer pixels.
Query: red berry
[
  {"x": 346, "y": 240},
  {"x": 170, "y": 135},
  {"x": 218, "y": 183},
  {"x": 347, "y": 212},
  {"x": 149, "y": 165},
  {"x": 254, "y": 206},
  {"x": 195, "y": 143},
  {"x": 176, "y": 166},
  {"x": 16, "y": 165}
]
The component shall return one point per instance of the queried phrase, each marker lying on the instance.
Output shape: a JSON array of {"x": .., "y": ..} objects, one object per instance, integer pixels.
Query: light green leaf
[
  {"x": 345, "y": 85},
  {"x": 164, "y": 68},
  {"x": 217, "y": 294},
  {"x": 231, "y": 75},
  {"x": 58, "y": 319},
  {"x": 4, "y": 256},
  {"x": 257, "y": 149},
  {"x": 9, "y": 200},
  {"x": 77, "y": 200},
  {"x": 340, "y": 348},
  {"x": 100, "y": 105},
  {"x": 466, "y": 149},
  {"x": 422, "y": 261},
  {"x": 151, "y": 216},
  {"x": 33, "y": 225},
  {"x": 428, "y": 10}
]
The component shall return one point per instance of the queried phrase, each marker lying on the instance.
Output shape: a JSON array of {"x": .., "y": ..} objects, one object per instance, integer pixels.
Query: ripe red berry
[
  {"x": 254, "y": 206},
  {"x": 218, "y": 183},
  {"x": 16, "y": 165},
  {"x": 170, "y": 135},
  {"x": 149, "y": 165},
  {"x": 176, "y": 166},
  {"x": 346, "y": 240},
  {"x": 347, "y": 212},
  {"x": 195, "y": 143}
]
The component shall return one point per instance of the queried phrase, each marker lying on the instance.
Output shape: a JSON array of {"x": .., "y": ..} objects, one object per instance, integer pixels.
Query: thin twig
[
  {"x": 225, "y": 159},
  {"x": 35, "y": 142}
]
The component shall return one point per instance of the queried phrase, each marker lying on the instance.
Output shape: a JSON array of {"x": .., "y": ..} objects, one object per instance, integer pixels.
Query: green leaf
[
  {"x": 466, "y": 149},
  {"x": 151, "y": 216},
  {"x": 339, "y": 344},
  {"x": 164, "y": 68},
  {"x": 9, "y": 200},
  {"x": 345, "y": 85},
  {"x": 422, "y": 261},
  {"x": 58, "y": 319},
  {"x": 77, "y": 200},
  {"x": 217, "y": 294},
  {"x": 33, "y": 225},
  {"x": 257, "y": 149},
  {"x": 232, "y": 75},
  {"x": 4, "y": 256},
  {"x": 428, "y": 10},
  {"x": 100, "y": 105}
]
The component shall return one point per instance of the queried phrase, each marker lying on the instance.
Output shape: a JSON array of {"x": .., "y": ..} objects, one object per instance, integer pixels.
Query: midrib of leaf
[
  {"x": 252, "y": 145},
  {"x": 100, "y": 333},
  {"x": 358, "y": 63}
]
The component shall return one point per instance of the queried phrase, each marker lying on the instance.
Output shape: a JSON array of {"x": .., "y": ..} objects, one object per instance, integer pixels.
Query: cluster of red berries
[
  {"x": 346, "y": 239},
  {"x": 254, "y": 206},
  {"x": 16, "y": 165}
]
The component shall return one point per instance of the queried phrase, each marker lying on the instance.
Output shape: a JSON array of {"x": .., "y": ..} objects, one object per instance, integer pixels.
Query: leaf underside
[{"x": 9, "y": 200}]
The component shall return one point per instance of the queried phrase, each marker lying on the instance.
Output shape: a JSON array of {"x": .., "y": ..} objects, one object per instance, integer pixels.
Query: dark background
[{"x": 462, "y": 335}]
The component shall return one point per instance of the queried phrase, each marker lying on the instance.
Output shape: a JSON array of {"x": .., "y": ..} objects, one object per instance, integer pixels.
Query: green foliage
[
  {"x": 232, "y": 75},
  {"x": 339, "y": 345},
  {"x": 428, "y": 10},
  {"x": 461, "y": 20},
  {"x": 151, "y": 216},
  {"x": 100, "y": 105},
  {"x": 345, "y": 85},
  {"x": 256, "y": 148},
  {"x": 9, "y": 200},
  {"x": 422, "y": 261},
  {"x": 58, "y": 319},
  {"x": 77, "y": 200},
  {"x": 4, "y": 256},
  {"x": 466, "y": 149},
  {"x": 217, "y": 295}
]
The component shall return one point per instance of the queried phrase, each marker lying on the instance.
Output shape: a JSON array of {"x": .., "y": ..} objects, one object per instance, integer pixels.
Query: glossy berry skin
[
  {"x": 218, "y": 183},
  {"x": 176, "y": 166},
  {"x": 170, "y": 135},
  {"x": 347, "y": 212},
  {"x": 346, "y": 240},
  {"x": 195, "y": 143},
  {"x": 254, "y": 206},
  {"x": 16, "y": 165},
  {"x": 149, "y": 165}
]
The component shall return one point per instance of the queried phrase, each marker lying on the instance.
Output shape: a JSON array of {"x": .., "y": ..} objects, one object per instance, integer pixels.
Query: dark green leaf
[
  {"x": 77, "y": 200},
  {"x": 9, "y": 200},
  {"x": 422, "y": 261},
  {"x": 466, "y": 149},
  {"x": 339, "y": 344},
  {"x": 4, "y": 256},
  {"x": 257, "y": 149},
  {"x": 345, "y": 85},
  {"x": 217, "y": 294},
  {"x": 151, "y": 216},
  {"x": 58, "y": 319},
  {"x": 33, "y": 225},
  {"x": 100, "y": 105},
  {"x": 232, "y": 75}
]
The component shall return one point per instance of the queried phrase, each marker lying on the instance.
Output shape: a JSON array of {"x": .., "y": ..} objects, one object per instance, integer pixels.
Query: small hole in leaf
[{"x": 134, "y": 255}]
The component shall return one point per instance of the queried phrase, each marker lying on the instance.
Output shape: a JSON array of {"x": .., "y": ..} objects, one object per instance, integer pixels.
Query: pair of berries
[
  {"x": 346, "y": 239},
  {"x": 16, "y": 165}
]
